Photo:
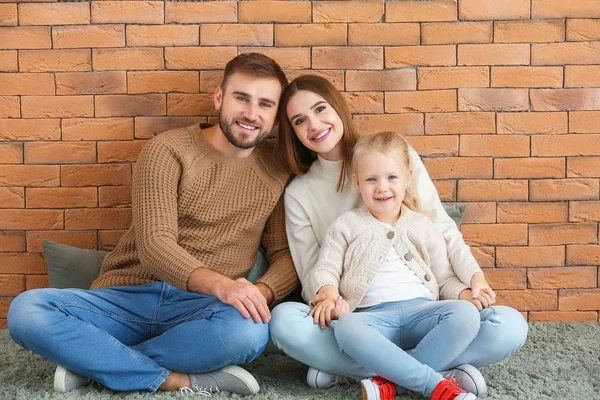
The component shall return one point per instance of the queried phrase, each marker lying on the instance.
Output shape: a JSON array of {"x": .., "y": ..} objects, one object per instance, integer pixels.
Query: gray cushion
[
  {"x": 71, "y": 267},
  {"x": 456, "y": 212}
]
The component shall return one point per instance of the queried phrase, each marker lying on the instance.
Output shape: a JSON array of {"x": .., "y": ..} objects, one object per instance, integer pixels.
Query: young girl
[{"x": 390, "y": 264}]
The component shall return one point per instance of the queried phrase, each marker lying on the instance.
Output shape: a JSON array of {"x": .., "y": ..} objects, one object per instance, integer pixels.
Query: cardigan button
[
  {"x": 390, "y": 235},
  {"x": 427, "y": 277},
  {"x": 408, "y": 256}
]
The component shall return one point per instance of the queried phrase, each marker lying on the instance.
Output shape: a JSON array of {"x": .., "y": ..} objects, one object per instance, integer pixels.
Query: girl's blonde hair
[{"x": 392, "y": 145}]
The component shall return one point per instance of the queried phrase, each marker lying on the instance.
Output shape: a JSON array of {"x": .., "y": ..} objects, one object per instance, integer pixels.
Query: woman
[{"x": 316, "y": 140}]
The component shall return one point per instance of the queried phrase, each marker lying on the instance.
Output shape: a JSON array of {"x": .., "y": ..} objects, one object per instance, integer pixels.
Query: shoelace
[
  {"x": 447, "y": 389},
  {"x": 199, "y": 390},
  {"x": 342, "y": 380},
  {"x": 387, "y": 389}
]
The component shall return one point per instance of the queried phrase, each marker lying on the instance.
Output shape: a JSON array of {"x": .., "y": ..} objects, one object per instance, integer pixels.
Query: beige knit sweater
[{"x": 195, "y": 207}]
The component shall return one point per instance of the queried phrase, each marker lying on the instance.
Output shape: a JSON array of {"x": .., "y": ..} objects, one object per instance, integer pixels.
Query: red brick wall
[{"x": 502, "y": 98}]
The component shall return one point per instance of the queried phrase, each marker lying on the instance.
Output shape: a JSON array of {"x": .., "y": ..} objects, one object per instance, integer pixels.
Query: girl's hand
[
  {"x": 341, "y": 308},
  {"x": 321, "y": 312},
  {"x": 480, "y": 293}
]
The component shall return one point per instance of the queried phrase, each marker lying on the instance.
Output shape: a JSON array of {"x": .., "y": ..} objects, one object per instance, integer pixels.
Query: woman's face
[{"x": 316, "y": 124}]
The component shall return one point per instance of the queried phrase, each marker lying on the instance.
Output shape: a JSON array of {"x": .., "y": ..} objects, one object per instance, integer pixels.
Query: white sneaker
[
  {"x": 468, "y": 378},
  {"x": 231, "y": 378},
  {"x": 322, "y": 380},
  {"x": 65, "y": 380}
]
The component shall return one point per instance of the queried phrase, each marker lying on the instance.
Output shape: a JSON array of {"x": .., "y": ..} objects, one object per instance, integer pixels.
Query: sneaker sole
[
  {"x": 366, "y": 389},
  {"x": 60, "y": 377},
  {"x": 475, "y": 376},
  {"x": 244, "y": 376}
]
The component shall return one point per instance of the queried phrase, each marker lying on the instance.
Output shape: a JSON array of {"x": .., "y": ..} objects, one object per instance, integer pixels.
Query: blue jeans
[
  {"x": 131, "y": 338},
  {"x": 405, "y": 342}
]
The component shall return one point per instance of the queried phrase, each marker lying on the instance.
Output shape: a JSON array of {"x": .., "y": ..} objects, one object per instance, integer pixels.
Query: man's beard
[{"x": 236, "y": 140}]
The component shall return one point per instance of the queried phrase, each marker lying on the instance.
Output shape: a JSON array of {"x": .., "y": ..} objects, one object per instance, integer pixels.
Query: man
[{"x": 171, "y": 308}]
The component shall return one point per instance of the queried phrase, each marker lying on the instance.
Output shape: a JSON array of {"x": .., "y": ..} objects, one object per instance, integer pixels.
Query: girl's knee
[
  {"x": 511, "y": 324},
  {"x": 467, "y": 315},
  {"x": 288, "y": 321}
]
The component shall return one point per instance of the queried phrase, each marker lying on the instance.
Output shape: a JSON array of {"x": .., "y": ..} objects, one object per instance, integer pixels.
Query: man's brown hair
[{"x": 256, "y": 65}]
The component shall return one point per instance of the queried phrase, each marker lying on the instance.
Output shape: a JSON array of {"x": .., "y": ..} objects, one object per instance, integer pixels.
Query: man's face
[{"x": 247, "y": 109}]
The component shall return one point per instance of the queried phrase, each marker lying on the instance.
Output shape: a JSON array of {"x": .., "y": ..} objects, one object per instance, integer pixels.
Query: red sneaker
[
  {"x": 448, "y": 389},
  {"x": 377, "y": 388}
]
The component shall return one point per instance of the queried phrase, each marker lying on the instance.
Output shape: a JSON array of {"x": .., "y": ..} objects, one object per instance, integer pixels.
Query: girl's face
[
  {"x": 316, "y": 124},
  {"x": 382, "y": 182}
]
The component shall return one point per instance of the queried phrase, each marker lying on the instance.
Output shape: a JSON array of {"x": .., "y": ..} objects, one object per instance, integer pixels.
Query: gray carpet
[{"x": 559, "y": 361}]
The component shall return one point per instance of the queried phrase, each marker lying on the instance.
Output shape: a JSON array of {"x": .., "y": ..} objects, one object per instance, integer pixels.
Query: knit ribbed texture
[{"x": 195, "y": 207}]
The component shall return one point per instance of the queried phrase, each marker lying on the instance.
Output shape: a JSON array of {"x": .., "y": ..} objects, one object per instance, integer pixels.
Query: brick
[
  {"x": 60, "y": 153},
  {"x": 309, "y": 34},
  {"x": 113, "y": 82},
  {"x": 236, "y": 35},
  {"x": 484, "y": 256},
  {"x": 547, "y": 123},
  {"x": 430, "y": 146},
  {"x": 190, "y": 104},
  {"x": 565, "y": 145},
  {"x": 494, "y": 234},
  {"x": 26, "y": 84},
  {"x": 583, "y": 254},
  {"x": 364, "y": 102},
  {"x": 528, "y": 300},
  {"x": 527, "y": 77},
  {"x": 563, "y": 189},
  {"x": 62, "y": 197},
  {"x": 12, "y": 285},
  {"x": 446, "y": 190},
  {"x": 562, "y": 278},
  {"x": 492, "y": 10},
  {"x": 107, "y": 240},
  {"x": 30, "y": 175},
  {"x": 400, "y": 79},
  {"x": 530, "y": 257},
  {"x": 422, "y": 56},
  {"x": 493, "y": 99},
  {"x": 529, "y": 31},
  {"x": 565, "y": 99},
  {"x": 347, "y": 57},
  {"x": 532, "y": 213},
  {"x": 200, "y": 12},
  {"x": 421, "y": 11},
  {"x": 347, "y": 11},
  {"x": 274, "y": 11},
  {"x": 584, "y": 211},
  {"x": 97, "y": 218},
  {"x": 11, "y": 153},
  {"x": 12, "y": 241},
  {"x": 383, "y": 34},
  {"x": 586, "y": 167},
  {"x": 198, "y": 57},
  {"x": 565, "y": 53},
  {"x": 36, "y": 282},
  {"x": 31, "y": 219},
  {"x": 95, "y": 175},
  {"x": 119, "y": 151},
  {"x": 493, "y": 190},
  {"x": 127, "y": 59},
  {"x": 22, "y": 263},
  {"x": 8, "y": 60},
  {"x": 459, "y": 167},
  {"x": 70, "y": 37},
  {"x": 80, "y": 239},
  {"x": 583, "y": 30},
  {"x": 493, "y": 54},
  {"x": 163, "y": 35},
  {"x": 131, "y": 12},
  {"x": 25, "y": 37},
  {"x": 10, "y": 107},
  {"x": 459, "y": 123},
  {"x": 97, "y": 129},
  {"x": 566, "y": 9},
  {"x": 494, "y": 146},
  {"x": 582, "y": 76},
  {"x": 559, "y": 234},
  {"x": 130, "y": 105},
  {"x": 453, "y": 77},
  {"x": 456, "y": 32},
  {"x": 410, "y": 124},
  {"x": 55, "y": 60},
  {"x": 579, "y": 299},
  {"x": 114, "y": 196},
  {"x": 480, "y": 213},
  {"x": 148, "y": 127},
  {"x": 292, "y": 58},
  {"x": 528, "y": 168},
  {"x": 584, "y": 121},
  {"x": 8, "y": 15},
  {"x": 163, "y": 82},
  {"x": 57, "y": 106},
  {"x": 563, "y": 316},
  {"x": 502, "y": 279},
  {"x": 12, "y": 197},
  {"x": 420, "y": 101},
  {"x": 54, "y": 14},
  {"x": 333, "y": 76}
]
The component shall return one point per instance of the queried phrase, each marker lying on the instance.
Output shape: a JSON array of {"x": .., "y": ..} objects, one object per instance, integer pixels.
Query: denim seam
[
  {"x": 159, "y": 381},
  {"x": 95, "y": 310}
]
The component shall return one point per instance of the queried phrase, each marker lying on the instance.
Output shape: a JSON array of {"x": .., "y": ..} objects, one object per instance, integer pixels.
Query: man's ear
[{"x": 218, "y": 99}]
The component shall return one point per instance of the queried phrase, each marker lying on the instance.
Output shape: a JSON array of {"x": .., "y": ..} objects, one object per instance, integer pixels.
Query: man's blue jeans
[{"x": 131, "y": 338}]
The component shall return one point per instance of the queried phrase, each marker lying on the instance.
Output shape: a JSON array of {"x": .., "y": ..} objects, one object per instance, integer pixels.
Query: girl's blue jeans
[
  {"x": 131, "y": 338},
  {"x": 406, "y": 342}
]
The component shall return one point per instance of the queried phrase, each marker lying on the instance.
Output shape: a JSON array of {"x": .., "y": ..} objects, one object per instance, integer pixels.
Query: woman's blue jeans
[
  {"x": 405, "y": 342},
  {"x": 131, "y": 338}
]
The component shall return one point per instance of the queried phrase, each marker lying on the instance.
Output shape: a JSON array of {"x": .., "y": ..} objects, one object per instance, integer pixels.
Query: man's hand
[
  {"x": 480, "y": 293},
  {"x": 266, "y": 292},
  {"x": 246, "y": 298}
]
